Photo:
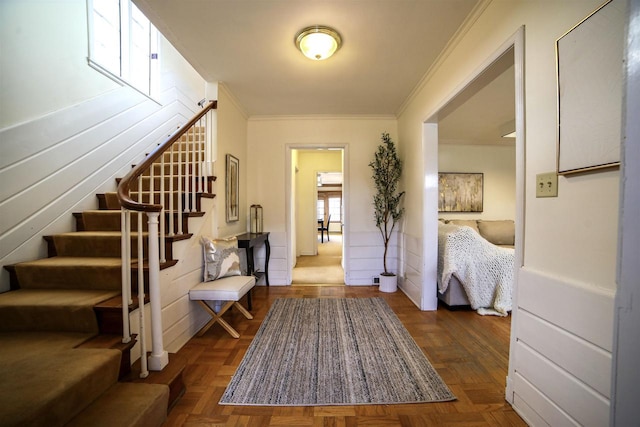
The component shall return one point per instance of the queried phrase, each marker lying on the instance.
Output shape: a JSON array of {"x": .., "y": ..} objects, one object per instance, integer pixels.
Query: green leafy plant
[{"x": 387, "y": 169}]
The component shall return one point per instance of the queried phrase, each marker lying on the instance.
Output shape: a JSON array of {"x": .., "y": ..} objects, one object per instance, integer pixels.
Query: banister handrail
[
  {"x": 186, "y": 170},
  {"x": 124, "y": 193}
]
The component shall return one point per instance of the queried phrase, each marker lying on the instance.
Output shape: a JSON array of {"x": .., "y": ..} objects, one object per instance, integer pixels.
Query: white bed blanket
[{"x": 484, "y": 269}]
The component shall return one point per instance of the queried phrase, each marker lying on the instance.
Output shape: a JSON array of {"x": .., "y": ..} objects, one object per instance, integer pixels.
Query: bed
[{"x": 475, "y": 268}]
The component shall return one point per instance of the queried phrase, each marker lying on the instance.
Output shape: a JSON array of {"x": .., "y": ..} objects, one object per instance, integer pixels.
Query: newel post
[{"x": 159, "y": 358}]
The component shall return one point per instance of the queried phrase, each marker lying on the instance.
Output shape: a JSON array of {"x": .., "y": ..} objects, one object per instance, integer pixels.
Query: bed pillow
[
  {"x": 221, "y": 258},
  {"x": 498, "y": 232},
  {"x": 468, "y": 222}
]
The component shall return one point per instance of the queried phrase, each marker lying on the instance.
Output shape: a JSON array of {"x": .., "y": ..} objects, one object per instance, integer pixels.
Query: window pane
[
  {"x": 106, "y": 35},
  {"x": 320, "y": 209},
  {"x": 121, "y": 42},
  {"x": 139, "y": 50},
  {"x": 335, "y": 208}
]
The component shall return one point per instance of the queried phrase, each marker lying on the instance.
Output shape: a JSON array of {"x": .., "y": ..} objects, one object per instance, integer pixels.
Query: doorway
[
  {"x": 317, "y": 192},
  {"x": 514, "y": 45}
]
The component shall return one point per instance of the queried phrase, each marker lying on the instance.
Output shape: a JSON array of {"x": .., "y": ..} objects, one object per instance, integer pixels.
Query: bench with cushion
[
  {"x": 223, "y": 282},
  {"x": 229, "y": 289}
]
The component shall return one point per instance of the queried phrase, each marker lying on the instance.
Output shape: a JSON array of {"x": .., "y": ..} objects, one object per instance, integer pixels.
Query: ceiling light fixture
[{"x": 318, "y": 42}]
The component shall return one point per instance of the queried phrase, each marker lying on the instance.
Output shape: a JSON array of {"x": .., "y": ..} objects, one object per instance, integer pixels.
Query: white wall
[
  {"x": 42, "y": 39},
  {"x": 497, "y": 164},
  {"x": 268, "y": 139},
  {"x": 570, "y": 242},
  {"x": 309, "y": 164},
  {"x": 232, "y": 139}
]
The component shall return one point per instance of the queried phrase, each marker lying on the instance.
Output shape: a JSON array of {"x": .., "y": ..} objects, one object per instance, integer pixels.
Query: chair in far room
[{"x": 322, "y": 228}]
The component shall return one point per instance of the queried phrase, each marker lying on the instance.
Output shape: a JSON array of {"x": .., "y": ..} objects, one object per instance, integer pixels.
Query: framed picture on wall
[
  {"x": 460, "y": 192},
  {"x": 232, "y": 189},
  {"x": 589, "y": 61}
]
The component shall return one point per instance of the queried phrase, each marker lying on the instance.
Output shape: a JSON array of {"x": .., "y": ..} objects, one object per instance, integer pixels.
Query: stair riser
[
  {"x": 47, "y": 319},
  {"x": 69, "y": 277},
  {"x": 110, "y": 221},
  {"x": 93, "y": 247}
]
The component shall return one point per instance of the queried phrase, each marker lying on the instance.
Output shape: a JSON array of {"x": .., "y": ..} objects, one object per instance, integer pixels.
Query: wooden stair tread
[
  {"x": 108, "y": 341},
  {"x": 115, "y": 303}
]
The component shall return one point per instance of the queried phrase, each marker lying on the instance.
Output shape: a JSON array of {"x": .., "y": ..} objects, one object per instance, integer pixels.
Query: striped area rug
[{"x": 346, "y": 351}]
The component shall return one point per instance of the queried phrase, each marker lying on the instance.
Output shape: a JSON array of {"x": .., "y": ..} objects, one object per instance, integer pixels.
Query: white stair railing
[{"x": 163, "y": 219}]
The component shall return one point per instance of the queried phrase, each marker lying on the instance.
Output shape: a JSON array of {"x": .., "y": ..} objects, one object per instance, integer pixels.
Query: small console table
[{"x": 248, "y": 241}]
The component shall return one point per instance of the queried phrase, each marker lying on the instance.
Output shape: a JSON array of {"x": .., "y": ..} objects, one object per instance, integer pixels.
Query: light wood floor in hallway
[
  {"x": 469, "y": 351},
  {"x": 322, "y": 269}
]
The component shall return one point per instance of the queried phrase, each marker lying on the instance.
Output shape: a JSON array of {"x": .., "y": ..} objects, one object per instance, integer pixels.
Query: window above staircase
[{"x": 123, "y": 44}]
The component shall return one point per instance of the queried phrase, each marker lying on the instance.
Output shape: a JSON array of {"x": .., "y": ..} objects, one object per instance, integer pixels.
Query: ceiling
[
  {"x": 388, "y": 47},
  {"x": 481, "y": 112}
]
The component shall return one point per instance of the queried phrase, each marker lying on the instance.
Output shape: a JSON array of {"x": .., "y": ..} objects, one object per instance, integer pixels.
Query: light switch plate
[{"x": 547, "y": 184}]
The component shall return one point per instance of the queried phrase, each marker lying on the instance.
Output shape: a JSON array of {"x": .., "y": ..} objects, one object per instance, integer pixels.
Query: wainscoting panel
[
  {"x": 581, "y": 403},
  {"x": 529, "y": 397},
  {"x": 581, "y": 310},
  {"x": 562, "y": 351},
  {"x": 278, "y": 269},
  {"x": 27, "y": 139},
  {"x": 594, "y": 364},
  {"x": 58, "y": 170},
  {"x": 366, "y": 252}
]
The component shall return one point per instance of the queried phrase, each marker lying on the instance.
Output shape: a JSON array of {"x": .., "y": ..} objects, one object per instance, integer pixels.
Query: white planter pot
[{"x": 388, "y": 283}]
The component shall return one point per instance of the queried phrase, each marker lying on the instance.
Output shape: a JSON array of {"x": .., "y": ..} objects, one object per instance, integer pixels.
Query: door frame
[
  {"x": 625, "y": 376},
  {"x": 290, "y": 198},
  {"x": 429, "y": 299}
]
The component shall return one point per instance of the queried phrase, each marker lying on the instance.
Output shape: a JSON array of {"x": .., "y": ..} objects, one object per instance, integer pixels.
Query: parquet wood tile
[{"x": 470, "y": 352}]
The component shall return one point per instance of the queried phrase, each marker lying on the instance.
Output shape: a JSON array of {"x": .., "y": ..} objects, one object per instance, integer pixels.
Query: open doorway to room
[
  {"x": 510, "y": 59},
  {"x": 318, "y": 201},
  {"x": 477, "y": 185}
]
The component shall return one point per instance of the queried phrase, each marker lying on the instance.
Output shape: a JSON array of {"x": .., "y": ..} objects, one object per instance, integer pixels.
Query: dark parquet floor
[{"x": 469, "y": 351}]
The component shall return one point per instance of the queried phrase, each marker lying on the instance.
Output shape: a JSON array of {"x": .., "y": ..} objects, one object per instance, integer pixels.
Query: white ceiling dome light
[{"x": 318, "y": 42}]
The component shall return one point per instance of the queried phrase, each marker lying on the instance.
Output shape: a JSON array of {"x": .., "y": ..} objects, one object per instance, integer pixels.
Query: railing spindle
[
  {"x": 144, "y": 372},
  {"x": 200, "y": 157},
  {"x": 179, "y": 195},
  {"x": 192, "y": 162},
  {"x": 163, "y": 243},
  {"x": 171, "y": 178},
  {"x": 125, "y": 256},
  {"x": 187, "y": 152}
]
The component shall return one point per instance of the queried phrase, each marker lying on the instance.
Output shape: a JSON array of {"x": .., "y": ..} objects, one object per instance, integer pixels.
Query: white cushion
[{"x": 230, "y": 288}]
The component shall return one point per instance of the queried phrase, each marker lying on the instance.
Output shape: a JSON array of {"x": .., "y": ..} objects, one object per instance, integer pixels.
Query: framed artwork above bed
[{"x": 460, "y": 192}]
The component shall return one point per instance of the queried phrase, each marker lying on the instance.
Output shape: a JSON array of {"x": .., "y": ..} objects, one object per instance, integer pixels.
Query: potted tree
[{"x": 387, "y": 169}]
